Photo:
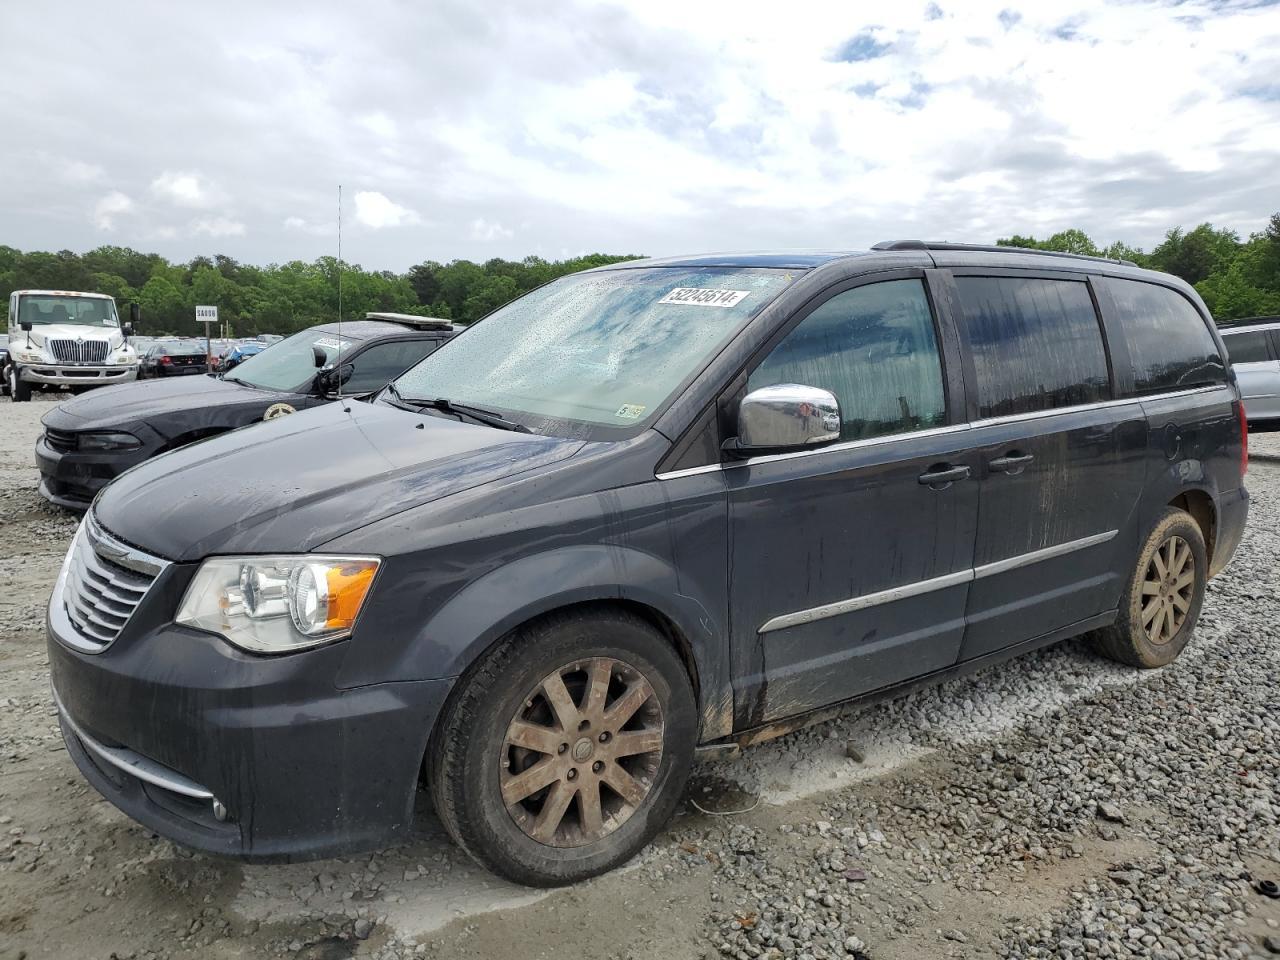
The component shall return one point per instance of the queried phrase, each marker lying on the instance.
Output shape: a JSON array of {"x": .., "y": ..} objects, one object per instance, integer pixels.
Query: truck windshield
[
  {"x": 601, "y": 348},
  {"x": 290, "y": 364},
  {"x": 42, "y": 309}
]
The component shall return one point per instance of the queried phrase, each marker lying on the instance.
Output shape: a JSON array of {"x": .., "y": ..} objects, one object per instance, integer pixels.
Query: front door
[
  {"x": 1061, "y": 462},
  {"x": 850, "y": 564}
]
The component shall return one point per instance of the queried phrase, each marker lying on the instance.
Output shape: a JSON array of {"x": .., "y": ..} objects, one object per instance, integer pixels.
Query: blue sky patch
[{"x": 862, "y": 47}]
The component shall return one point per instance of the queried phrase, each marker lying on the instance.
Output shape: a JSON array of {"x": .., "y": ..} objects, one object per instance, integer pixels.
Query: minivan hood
[
  {"x": 290, "y": 484},
  {"x": 151, "y": 401}
]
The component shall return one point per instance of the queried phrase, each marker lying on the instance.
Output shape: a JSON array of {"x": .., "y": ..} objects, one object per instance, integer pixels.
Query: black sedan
[{"x": 94, "y": 438}]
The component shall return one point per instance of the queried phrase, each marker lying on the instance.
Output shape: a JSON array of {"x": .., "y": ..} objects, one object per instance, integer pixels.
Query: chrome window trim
[
  {"x": 132, "y": 763},
  {"x": 920, "y": 587},
  {"x": 938, "y": 431}
]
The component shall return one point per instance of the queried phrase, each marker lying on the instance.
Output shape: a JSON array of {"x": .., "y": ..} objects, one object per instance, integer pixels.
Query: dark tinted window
[
  {"x": 1036, "y": 344},
  {"x": 874, "y": 348},
  {"x": 382, "y": 362},
  {"x": 1247, "y": 346},
  {"x": 1170, "y": 346}
]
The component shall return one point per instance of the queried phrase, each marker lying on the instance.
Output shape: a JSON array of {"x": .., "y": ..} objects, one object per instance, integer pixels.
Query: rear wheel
[
  {"x": 1163, "y": 596},
  {"x": 19, "y": 389},
  {"x": 566, "y": 748}
]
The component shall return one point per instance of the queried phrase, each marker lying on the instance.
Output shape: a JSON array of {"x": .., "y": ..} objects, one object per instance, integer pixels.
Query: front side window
[
  {"x": 1170, "y": 347},
  {"x": 597, "y": 349},
  {"x": 874, "y": 348},
  {"x": 1036, "y": 344},
  {"x": 1248, "y": 346},
  {"x": 373, "y": 368},
  {"x": 290, "y": 365},
  {"x": 41, "y": 309}
]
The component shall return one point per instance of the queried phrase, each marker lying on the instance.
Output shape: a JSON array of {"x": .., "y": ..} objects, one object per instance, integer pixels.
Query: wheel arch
[{"x": 1200, "y": 505}]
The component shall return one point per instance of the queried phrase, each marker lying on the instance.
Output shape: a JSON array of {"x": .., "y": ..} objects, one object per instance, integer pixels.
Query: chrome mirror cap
[{"x": 786, "y": 416}]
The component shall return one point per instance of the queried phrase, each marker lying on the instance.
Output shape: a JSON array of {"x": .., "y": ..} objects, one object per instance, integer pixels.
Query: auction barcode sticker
[{"x": 701, "y": 297}]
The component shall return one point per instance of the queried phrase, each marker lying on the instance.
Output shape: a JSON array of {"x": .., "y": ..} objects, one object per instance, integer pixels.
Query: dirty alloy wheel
[
  {"x": 565, "y": 748},
  {"x": 1162, "y": 599}
]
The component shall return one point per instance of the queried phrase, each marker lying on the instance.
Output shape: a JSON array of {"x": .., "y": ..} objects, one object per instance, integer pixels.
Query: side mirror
[
  {"x": 135, "y": 314},
  {"x": 319, "y": 357},
  {"x": 127, "y": 330},
  {"x": 25, "y": 326},
  {"x": 787, "y": 416},
  {"x": 328, "y": 381}
]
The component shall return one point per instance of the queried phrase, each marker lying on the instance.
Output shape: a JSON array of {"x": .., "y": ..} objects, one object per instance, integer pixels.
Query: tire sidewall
[
  {"x": 1175, "y": 523},
  {"x": 522, "y": 858}
]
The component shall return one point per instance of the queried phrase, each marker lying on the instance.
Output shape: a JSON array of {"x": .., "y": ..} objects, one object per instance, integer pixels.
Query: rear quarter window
[
  {"x": 1247, "y": 346},
  {"x": 1169, "y": 343}
]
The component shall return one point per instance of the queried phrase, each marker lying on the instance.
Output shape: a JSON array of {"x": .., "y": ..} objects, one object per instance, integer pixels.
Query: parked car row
[
  {"x": 1254, "y": 349},
  {"x": 648, "y": 509}
]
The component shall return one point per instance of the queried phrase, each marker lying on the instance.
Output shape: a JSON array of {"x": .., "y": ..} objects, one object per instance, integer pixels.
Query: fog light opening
[{"x": 219, "y": 811}]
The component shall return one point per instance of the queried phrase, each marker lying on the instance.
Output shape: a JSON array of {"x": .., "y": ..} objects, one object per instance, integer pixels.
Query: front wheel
[
  {"x": 19, "y": 389},
  {"x": 565, "y": 748},
  {"x": 1163, "y": 596}
]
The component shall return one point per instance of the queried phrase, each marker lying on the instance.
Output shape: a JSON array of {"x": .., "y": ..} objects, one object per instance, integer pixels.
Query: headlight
[
  {"x": 109, "y": 441},
  {"x": 27, "y": 355},
  {"x": 278, "y": 604}
]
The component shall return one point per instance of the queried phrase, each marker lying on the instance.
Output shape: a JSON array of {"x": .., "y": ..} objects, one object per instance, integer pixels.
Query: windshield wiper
[{"x": 444, "y": 405}]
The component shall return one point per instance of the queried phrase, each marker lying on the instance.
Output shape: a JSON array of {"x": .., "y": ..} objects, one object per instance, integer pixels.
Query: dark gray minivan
[{"x": 662, "y": 505}]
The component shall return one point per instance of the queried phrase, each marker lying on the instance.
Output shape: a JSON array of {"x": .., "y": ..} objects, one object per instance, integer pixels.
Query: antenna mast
[{"x": 339, "y": 363}]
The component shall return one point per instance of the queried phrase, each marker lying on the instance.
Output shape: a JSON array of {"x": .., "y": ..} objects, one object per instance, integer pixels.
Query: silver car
[{"x": 1254, "y": 348}]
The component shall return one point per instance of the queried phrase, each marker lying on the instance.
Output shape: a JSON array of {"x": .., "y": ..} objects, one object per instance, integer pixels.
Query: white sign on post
[{"x": 206, "y": 314}]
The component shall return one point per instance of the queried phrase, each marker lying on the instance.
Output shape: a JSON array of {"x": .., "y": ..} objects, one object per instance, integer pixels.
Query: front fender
[{"x": 490, "y": 607}]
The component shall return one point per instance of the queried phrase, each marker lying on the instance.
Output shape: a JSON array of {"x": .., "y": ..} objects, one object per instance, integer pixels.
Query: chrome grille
[
  {"x": 104, "y": 581},
  {"x": 81, "y": 351}
]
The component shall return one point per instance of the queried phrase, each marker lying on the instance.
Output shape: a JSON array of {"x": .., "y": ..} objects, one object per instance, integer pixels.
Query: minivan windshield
[
  {"x": 41, "y": 309},
  {"x": 602, "y": 348},
  {"x": 290, "y": 365}
]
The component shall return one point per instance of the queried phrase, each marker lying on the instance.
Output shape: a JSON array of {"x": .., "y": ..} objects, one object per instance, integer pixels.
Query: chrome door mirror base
[{"x": 786, "y": 416}]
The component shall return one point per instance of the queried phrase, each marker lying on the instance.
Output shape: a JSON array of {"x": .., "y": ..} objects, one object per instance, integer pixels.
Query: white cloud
[
  {"x": 375, "y": 210},
  {"x": 182, "y": 189},
  {"x": 303, "y": 225},
  {"x": 77, "y": 171},
  {"x": 482, "y": 229},
  {"x": 218, "y": 227},
  {"x": 109, "y": 207}
]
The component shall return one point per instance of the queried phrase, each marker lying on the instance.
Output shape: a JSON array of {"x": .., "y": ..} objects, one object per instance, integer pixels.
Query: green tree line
[
  {"x": 1237, "y": 277},
  {"x": 279, "y": 298}
]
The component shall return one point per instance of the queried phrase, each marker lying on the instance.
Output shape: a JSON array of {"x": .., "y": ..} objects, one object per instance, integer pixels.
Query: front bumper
[
  {"x": 301, "y": 768},
  {"x": 74, "y": 375},
  {"x": 72, "y": 478}
]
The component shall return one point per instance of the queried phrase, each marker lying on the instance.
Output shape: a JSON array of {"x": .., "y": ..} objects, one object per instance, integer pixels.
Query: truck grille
[
  {"x": 83, "y": 351},
  {"x": 105, "y": 582}
]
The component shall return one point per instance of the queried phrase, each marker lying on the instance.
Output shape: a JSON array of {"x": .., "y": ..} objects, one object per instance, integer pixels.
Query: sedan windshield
[
  {"x": 87, "y": 311},
  {"x": 602, "y": 348},
  {"x": 290, "y": 365}
]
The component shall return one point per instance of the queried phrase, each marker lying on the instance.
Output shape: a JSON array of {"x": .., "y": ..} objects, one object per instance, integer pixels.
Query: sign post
[{"x": 207, "y": 315}]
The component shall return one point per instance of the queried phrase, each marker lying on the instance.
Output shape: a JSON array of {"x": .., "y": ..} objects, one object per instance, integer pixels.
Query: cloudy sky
[{"x": 655, "y": 126}]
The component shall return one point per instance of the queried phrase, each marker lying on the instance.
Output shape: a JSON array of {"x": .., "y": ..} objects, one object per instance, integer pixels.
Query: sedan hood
[
  {"x": 291, "y": 484},
  {"x": 162, "y": 404}
]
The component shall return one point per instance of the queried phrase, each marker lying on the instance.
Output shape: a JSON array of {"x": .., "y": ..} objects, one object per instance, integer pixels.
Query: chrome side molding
[{"x": 920, "y": 587}]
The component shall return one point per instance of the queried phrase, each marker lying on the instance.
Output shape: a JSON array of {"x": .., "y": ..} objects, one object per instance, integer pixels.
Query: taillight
[
  {"x": 1244, "y": 438},
  {"x": 166, "y": 359}
]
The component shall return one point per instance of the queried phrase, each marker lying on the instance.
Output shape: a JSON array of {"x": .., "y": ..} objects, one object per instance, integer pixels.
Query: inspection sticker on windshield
[
  {"x": 331, "y": 343},
  {"x": 702, "y": 297},
  {"x": 630, "y": 411}
]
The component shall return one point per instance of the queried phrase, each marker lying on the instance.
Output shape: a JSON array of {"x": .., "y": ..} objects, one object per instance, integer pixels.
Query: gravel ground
[{"x": 1056, "y": 806}]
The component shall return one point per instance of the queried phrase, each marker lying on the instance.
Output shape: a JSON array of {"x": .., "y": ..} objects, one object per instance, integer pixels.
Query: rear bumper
[
  {"x": 167, "y": 720},
  {"x": 1233, "y": 513},
  {"x": 57, "y": 374},
  {"x": 161, "y": 370}
]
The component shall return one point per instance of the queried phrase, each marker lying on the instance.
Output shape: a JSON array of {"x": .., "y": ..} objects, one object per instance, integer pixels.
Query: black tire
[
  {"x": 19, "y": 390},
  {"x": 1130, "y": 640},
  {"x": 470, "y": 752}
]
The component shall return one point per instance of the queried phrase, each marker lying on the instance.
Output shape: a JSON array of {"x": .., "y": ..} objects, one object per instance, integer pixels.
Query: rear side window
[
  {"x": 1170, "y": 346},
  {"x": 1036, "y": 344},
  {"x": 874, "y": 348},
  {"x": 1248, "y": 346}
]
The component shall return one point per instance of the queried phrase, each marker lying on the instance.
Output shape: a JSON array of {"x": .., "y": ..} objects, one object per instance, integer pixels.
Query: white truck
[{"x": 60, "y": 338}]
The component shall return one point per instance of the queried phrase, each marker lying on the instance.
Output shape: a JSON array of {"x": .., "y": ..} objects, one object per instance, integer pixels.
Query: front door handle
[
  {"x": 1013, "y": 463},
  {"x": 943, "y": 475}
]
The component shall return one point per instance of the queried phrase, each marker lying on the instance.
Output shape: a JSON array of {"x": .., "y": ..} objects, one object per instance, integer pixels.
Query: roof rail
[
  {"x": 410, "y": 320},
  {"x": 989, "y": 248},
  {"x": 1244, "y": 321}
]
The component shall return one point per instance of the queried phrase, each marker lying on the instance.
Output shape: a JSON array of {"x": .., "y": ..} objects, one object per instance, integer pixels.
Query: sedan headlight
[
  {"x": 109, "y": 441},
  {"x": 278, "y": 604}
]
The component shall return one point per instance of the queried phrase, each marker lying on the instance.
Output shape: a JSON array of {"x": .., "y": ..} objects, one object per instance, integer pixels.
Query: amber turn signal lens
[{"x": 348, "y": 584}]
